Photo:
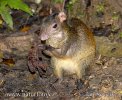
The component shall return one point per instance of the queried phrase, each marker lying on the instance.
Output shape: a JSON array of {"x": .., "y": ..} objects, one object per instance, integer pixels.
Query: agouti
[{"x": 73, "y": 42}]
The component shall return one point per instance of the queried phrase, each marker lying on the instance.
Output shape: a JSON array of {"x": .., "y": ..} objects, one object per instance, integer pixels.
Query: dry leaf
[
  {"x": 25, "y": 29},
  {"x": 1, "y": 21},
  {"x": 9, "y": 62},
  {"x": 1, "y": 55}
]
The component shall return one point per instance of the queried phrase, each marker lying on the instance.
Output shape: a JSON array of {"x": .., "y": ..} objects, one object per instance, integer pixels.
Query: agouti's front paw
[{"x": 49, "y": 48}]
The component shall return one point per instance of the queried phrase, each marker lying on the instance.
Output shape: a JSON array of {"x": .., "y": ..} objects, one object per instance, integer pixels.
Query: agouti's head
[{"x": 51, "y": 26}]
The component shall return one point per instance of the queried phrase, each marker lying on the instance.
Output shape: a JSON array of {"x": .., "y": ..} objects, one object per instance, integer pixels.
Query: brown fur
[{"x": 75, "y": 47}]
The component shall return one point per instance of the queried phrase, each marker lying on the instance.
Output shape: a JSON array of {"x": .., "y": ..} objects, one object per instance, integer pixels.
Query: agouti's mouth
[{"x": 43, "y": 41}]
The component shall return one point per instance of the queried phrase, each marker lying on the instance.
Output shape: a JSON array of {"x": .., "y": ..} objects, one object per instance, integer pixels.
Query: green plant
[
  {"x": 7, "y": 5},
  {"x": 70, "y": 4},
  {"x": 115, "y": 16},
  {"x": 100, "y": 7},
  {"x": 57, "y": 1},
  {"x": 120, "y": 34}
]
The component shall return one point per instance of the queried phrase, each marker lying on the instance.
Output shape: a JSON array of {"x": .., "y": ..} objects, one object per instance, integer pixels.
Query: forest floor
[{"x": 104, "y": 80}]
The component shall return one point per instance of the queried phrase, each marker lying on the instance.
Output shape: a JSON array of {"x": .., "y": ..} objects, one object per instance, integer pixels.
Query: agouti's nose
[{"x": 44, "y": 36}]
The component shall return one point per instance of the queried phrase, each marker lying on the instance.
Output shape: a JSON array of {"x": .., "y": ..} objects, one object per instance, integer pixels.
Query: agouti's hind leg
[
  {"x": 79, "y": 82},
  {"x": 79, "y": 74},
  {"x": 58, "y": 73}
]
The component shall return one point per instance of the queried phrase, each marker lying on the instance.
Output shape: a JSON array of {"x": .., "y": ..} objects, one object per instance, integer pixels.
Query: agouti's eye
[{"x": 55, "y": 25}]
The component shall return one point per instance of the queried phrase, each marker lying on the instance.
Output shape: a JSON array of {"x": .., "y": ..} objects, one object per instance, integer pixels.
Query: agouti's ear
[{"x": 62, "y": 16}]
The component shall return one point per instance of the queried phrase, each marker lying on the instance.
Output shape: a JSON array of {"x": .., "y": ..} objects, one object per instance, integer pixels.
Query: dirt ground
[{"x": 104, "y": 80}]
